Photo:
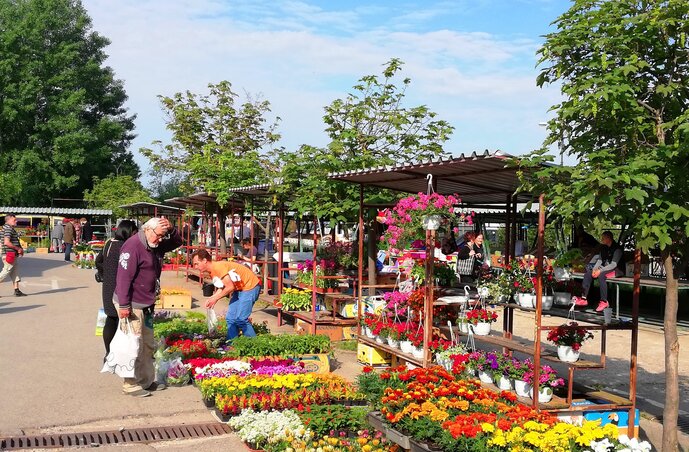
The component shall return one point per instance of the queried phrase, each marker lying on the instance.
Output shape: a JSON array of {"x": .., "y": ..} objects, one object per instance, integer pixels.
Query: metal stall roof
[
  {"x": 54, "y": 211},
  {"x": 479, "y": 179},
  {"x": 151, "y": 209}
]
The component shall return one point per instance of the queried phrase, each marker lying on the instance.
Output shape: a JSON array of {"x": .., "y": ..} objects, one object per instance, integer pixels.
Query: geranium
[
  {"x": 474, "y": 316},
  {"x": 396, "y": 301},
  {"x": 570, "y": 334},
  {"x": 405, "y": 220},
  {"x": 189, "y": 348},
  {"x": 548, "y": 377}
]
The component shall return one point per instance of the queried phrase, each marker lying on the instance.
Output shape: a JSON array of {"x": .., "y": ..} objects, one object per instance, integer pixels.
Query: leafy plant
[
  {"x": 324, "y": 419},
  {"x": 285, "y": 345}
]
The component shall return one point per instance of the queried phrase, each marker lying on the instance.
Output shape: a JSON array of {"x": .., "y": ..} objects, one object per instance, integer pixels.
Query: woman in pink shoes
[{"x": 610, "y": 264}]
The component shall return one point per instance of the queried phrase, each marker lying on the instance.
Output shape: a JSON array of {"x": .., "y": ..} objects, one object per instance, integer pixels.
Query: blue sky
[{"x": 472, "y": 62}]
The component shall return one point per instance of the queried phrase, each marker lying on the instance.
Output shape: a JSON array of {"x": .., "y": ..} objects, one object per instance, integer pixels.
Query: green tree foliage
[
  {"x": 370, "y": 127},
  {"x": 164, "y": 186},
  {"x": 62, "y": 120},
  {"x": 217, "y": 143},
  {"x": 115, "y": 191},
  {"x": 624, "y": 71}
]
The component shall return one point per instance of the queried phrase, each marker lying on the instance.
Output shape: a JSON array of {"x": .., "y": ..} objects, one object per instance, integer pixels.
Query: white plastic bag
[
  {"x": 100, "y": 322},
  {"x": 211, "y": 321},
  {"x": 124, "y": 349}
]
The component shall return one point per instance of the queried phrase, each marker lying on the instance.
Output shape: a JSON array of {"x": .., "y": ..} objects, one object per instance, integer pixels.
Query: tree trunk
[
  {"x": 222, "y": 240},
  {"x": 671, "y": 410}
]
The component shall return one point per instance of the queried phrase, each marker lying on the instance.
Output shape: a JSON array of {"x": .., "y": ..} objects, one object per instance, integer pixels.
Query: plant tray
[
  {"x": 397, "y": 438},
  {"x": 417, "y": 446},
  {"x": 375, "y": 418},
  {"x": 221, "y": 417},
  {"x": 177, "y": 301}
]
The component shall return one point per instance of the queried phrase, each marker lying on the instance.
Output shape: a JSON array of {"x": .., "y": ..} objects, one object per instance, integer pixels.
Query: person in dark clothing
[
  {"x": 471, "y": 248},
  {"x": 107, "y": 263},
  {"x": 86, "y": 230},
  {"x": 610, "y": 264}
]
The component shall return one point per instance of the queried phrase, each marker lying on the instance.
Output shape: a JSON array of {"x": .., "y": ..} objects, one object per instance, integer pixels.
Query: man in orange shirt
[{"x": 235, "y": 281}]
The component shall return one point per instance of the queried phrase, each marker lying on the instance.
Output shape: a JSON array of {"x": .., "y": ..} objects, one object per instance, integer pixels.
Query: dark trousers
[
  {"x": 68, "y": 251},
  {"x": 602, "y": 281},
  {"x": 109, "y": 331}
]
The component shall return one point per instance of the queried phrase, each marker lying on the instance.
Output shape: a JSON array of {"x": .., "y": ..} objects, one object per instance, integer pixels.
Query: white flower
[
  {"x": 263, "y": 427},
  {"x": 633, "y": 444}
]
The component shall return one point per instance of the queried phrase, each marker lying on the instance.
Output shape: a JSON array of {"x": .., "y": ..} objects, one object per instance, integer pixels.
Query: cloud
[{"x": 300, "y": 56}]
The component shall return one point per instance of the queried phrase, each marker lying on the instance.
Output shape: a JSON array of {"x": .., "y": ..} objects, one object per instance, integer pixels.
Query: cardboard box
[
  {"x": 372, "y": 357},
  {"x": 334, "y": 332},
  {"x": 42, "y": 250},
  {"x": 177, "y": 301}
]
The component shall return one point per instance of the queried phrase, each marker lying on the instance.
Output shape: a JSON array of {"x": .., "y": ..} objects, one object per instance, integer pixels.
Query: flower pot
[
  {"x": 503, "y": 383},
  {"x": 522, "y": 388},
  {"x": 547, "y": 302},
  {"x": 380, "y": 340},
  {"x": 545, "y": 394},
  {"x": 209, "y": 403},
  {"x": 432, "y": 222},
  {"x": 406, "y": 346},
  {"x": 562, "y": 298},
  {"x": 481, "y": 328},
  {"x": 485, "y": 377},
  {"x": 526, "y": 300},
  {"x": 393, "y": 342},
  {"x": 463, "y": 327},
  {"x": 417, "y": 352},
  {"x": 368, "y": 333},
  {"x": 567, "y": 354}
]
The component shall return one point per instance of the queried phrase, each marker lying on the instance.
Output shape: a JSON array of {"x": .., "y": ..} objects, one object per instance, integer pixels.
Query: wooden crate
[{"x": 177, "y": 301}]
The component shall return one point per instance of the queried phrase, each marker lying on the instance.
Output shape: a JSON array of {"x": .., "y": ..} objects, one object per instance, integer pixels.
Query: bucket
[{"x": 208, "y": 290}]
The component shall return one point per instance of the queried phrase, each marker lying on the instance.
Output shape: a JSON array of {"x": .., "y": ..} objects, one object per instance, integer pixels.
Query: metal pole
[
  {"x": 633, "y": 367},
  {"x": 539, "y": 301},
  {"x": 251, "y": 231},
  {"x": 360, "y": 264},
  {"x": 314, "y": 279},
  {"x": 428, "y": 301},
  {"x": 508, "y": 225},
  {"x": 281, "y": 241}
]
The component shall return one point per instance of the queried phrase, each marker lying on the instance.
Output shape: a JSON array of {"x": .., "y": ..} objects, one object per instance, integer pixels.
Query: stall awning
[
  {"x": 200, "y": 201},
  {"x": 483, "y": 179},
  {"x": 54, "y": 211},
  {"x": 151, "y": 209}
]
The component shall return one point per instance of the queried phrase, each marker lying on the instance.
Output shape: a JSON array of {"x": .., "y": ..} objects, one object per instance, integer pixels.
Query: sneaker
[
  {"x": 156, "y": 387},
  {"x": 19, "y": 293},
  {"x": 138, "y": 393},
  {"x": 579, "y": 301},
  {"x": 602, "y": 305}
]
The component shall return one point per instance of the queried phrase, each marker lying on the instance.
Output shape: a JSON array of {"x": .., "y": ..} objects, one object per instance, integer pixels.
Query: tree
[
  {"x": 216, "y": 144},
  {"x": 624, "y": 71},
  {"x": 62, "y": 115},
  {"x": 369, "y": 127},
  {"x": 163, "y": 187},
  {"x": 115, "y": 191}
]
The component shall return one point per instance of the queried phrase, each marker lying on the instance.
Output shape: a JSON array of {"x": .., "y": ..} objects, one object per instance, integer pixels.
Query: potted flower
[
  {"x": 405, "y": 331},
  {"x": 480, "y": 320},
  {"x": 368, "y": 322},
  {"x": 524, "y": 284},
  {"x": 499, "y": 366},
  {"x": 416, "y": 337},
  {"x": 517, "y": 371},
  {"x": 548, "y": 380},
  {"x": 392, "y": 334},
  {"x": 569, "y": 338}
]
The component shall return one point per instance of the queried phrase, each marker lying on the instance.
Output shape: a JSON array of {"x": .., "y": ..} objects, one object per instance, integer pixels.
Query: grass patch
[{"x": 349, "y": 345}]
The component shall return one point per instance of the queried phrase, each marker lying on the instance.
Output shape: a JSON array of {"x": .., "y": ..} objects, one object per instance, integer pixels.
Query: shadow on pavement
[
  {"x": 20, "y": 308},
  {"x": 5, "y": 304},
  {"x": 66, "y": 289}
]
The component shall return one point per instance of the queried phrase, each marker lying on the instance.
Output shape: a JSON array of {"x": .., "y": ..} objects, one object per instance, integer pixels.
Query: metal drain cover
[{"x": 135, "y": 435}]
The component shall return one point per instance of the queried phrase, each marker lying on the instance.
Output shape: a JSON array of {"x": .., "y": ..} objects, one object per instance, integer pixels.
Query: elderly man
[{"x": 136, "y": 287}]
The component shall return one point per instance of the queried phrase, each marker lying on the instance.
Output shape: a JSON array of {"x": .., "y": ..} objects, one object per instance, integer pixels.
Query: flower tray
[
  {"x": 209, "y": 403},
  {"x": 418, "y": 446},
  {"x": 220, "y": 416},
  {"x": 350, "y": 402},
  {"x": 397, "y": 438},
  {"x": 375, "y": 418}
]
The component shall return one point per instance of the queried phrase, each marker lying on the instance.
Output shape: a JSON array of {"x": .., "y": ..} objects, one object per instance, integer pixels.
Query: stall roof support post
[{"x": 633, "y": 367}]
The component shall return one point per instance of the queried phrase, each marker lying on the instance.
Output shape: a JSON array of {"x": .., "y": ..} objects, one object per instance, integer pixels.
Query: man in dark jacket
[
  {"x": 140, "y": 264},
  {"x": 86, "y": 231}
]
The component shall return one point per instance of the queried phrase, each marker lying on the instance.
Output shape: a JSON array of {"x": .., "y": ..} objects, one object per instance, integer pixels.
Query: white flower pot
[
  {"x": 481, "y": 328},
  {"x": 463, "y": 327},
  {"x": 485, "y": 377},
  {"x": 393, "y": 343},
  {"x": 545, "y": 394},
  {"x": 417, "y": 352},
  {"x": 504, "y": 383},
  {"x": 547, "y": 302},
  {"x": 522, "y": 388},
  {"x": 380, "y": 340},
  {"x": 567, "y": 354},
  {"x": 526, "y": 300},
  {"x": 369, "y": 334},
  {"x": 406, "y": 346},
  {"x": 562, "y": 298}
]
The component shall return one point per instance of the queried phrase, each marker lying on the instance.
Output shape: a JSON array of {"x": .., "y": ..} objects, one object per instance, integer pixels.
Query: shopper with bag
[
  {"x": 137, "y": 282},
  {"x": 11, "y": 251},
  {"x": 470, "y": 254},
  {"x": 233, "y": 280},
  {"x": 106, "y": 265}
]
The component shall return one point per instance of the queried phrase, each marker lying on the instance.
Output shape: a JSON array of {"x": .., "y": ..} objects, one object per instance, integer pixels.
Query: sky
[{"x": 472, "y": 62}]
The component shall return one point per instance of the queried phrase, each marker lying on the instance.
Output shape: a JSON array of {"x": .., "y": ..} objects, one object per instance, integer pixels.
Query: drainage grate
[{"x": 136, "y": 435}]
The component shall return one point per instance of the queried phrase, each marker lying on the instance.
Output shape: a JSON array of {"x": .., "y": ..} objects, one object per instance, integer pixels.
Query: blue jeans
[
  {"x": 241, "y": 304},
  {"x": 68, "y": 251}
]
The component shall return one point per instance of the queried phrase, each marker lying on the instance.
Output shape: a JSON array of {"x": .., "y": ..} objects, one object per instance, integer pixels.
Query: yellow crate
[
  {"x": 372, "y": 356},
  {"x": 176, "y": 301},
  {"x": 42, "y": 250}
]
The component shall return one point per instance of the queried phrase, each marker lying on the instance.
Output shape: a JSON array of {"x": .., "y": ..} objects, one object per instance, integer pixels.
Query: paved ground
[{"x": 51, "y": 361}]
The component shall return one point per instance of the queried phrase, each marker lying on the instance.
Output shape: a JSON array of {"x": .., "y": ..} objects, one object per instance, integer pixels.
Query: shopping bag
[
  {"x": 465, "y": 267},
  {"x": 10, "y": 257},
  {"x": 211, "y": 321},
  {"x": 124, "y": 349},
  {"x": 100, "y": 321}
]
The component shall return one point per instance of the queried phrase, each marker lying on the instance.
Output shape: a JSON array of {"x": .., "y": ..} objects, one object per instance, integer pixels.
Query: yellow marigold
[
  {"x": 498, "y": 439},
  {"x": 488, "y": 428}
]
